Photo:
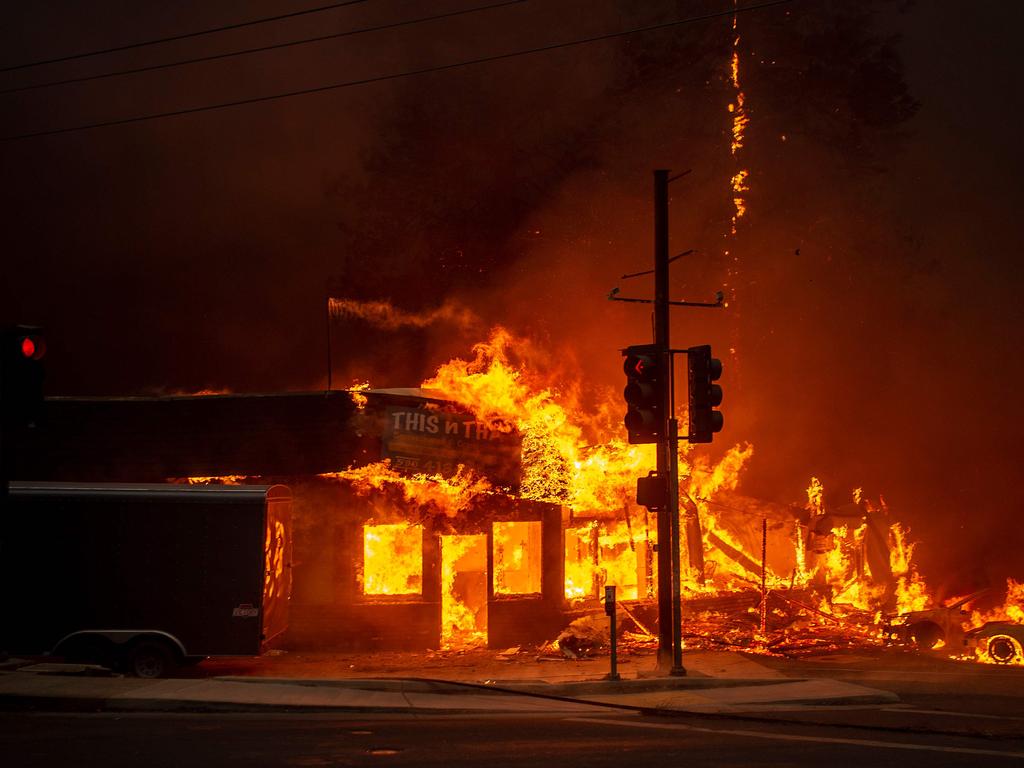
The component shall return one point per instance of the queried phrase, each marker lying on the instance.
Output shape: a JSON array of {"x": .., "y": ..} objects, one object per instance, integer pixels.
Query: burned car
[
  {"x": 931, "y": 628},
  {"x": 1001, "y": 641}
]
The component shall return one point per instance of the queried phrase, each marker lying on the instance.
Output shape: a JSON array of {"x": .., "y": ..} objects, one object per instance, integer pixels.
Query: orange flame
[
  {"x": 911, "y": 590},
  {"x": 393, "y": 559}
]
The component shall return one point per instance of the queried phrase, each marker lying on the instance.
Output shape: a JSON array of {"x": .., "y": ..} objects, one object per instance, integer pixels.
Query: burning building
[{"x": 487, "y": 508}]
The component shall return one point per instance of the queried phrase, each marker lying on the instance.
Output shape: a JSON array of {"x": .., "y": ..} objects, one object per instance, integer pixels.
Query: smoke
[
  {"x": 386, "y": 316},
  {"x": 874, "y": 287}
]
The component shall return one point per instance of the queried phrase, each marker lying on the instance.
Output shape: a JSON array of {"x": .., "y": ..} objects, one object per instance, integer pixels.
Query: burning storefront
[{"x": 488, "y": 509}]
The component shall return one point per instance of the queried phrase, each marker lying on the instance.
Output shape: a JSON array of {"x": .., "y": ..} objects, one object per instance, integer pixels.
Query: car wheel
[
  {"x": 926, "y": 635},
  {"x": 150, "y": 659},
  {"x": 1003, "y": 649}
]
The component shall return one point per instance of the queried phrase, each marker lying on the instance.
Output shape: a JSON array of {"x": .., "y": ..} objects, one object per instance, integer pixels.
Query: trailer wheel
[
  {"x": 1003, "y": 649},
  {"x": 150, "y": 658}
]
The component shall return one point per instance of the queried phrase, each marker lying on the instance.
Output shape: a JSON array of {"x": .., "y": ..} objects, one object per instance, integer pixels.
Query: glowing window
[
  {"x": 596, "y": 555},
  {"x": 517, "y": 558},
  {"x": 393, "y": 559},
  {"x": 581, "y": 561}
]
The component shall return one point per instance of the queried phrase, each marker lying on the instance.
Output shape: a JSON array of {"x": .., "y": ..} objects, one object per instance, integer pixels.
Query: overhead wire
[
  {"x": 262, "y": 48},
  {"x": 393, "y": 76},
  {"x": 182, "y": 36}
]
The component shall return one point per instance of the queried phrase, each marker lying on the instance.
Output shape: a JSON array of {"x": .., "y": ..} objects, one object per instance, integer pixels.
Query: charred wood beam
[{"x": 737, "y": 556}]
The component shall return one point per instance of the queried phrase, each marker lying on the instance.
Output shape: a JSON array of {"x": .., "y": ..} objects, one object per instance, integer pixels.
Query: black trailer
[{"x": 144, "y": 576}]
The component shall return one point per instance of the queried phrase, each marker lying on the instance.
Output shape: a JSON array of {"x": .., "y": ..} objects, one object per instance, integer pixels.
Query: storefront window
[{"x": 393, "y": 559}]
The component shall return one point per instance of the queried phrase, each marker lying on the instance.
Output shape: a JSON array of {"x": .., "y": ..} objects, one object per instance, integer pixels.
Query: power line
[
  {"x": 260, "y": 49},
  {"x": 183, "y": 36},
  {"x": 394, "y": 76}
]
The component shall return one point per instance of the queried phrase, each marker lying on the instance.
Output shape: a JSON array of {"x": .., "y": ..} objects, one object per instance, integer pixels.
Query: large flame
[{"x": 1012, "y": 608}]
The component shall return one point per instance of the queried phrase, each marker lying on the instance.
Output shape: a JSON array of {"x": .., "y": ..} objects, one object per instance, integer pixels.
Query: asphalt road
[
  {"x": 611, "y": 739},
  {"x": 964, "y": 696}
]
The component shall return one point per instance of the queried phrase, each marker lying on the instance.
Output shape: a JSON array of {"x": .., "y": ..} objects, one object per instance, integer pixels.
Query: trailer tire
[{"x": 151, "y": 658}]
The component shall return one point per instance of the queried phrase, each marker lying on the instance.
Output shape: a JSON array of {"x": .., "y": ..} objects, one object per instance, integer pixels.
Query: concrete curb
[
  {"x": 584, "y": 687},
  {"x": 424, "y": 696},
  {"x": 128, "y": 706}
]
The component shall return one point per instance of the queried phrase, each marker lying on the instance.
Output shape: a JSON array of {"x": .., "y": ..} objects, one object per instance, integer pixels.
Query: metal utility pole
[
  {"x": 650, "y": 419},
  {"x": 670, "y": 651}
]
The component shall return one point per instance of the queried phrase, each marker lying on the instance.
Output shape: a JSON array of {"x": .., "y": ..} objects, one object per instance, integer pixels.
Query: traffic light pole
[{"x": 670, "y": 652}]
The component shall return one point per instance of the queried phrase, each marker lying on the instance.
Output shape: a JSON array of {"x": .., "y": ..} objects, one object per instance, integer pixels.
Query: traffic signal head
[
  {"x": 703, "y": 370},
  {"x": 21, "y": 375},
  {"x": 646, "y": 380}
]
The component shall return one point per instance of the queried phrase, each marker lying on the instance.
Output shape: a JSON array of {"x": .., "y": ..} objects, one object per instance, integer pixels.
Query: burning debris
[{"x": 831, "y": 576}]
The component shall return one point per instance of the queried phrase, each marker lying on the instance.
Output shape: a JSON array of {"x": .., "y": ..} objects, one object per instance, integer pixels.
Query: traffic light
[
  {"x": 652, "y": 491},
  {"x": 646, "y": 379},
  {"x": 705, "y": 396},
  {"x": 21, "y": 375}
]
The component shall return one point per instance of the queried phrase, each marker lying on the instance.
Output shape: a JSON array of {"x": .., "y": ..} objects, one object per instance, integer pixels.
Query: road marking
[
  {"x": 950, "y": 714},
  {"x": 795, "y": 737},
  {"x": 986, "y": 670}
]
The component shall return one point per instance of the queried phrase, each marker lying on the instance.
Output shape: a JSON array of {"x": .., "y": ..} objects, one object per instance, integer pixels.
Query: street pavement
[
  {"x": 885, "y": 708},
  {"x": 717, "y": 683}
]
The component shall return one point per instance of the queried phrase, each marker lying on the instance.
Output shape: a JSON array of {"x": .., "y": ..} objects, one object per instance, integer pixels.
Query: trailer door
[{"x": 277, "y": 582}]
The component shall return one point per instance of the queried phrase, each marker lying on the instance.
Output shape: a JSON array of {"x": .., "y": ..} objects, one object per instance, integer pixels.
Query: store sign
[{"x": 434, "y": 441}]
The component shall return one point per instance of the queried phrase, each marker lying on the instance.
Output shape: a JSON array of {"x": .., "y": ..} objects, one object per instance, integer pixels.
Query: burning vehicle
[
  {"x": 997, "y": 641},
  {"x": 992, "y": 636}
]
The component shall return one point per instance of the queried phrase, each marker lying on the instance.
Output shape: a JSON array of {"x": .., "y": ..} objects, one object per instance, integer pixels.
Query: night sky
[{"x": 874, "y": 328}]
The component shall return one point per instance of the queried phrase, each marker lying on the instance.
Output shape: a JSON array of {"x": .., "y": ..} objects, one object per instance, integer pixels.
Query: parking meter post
[{"x": 609, "y": 608}]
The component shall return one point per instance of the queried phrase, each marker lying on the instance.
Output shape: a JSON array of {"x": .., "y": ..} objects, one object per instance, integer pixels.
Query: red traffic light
[
  {"x": 645, "y": 393},
  {"x": 640, "y": 366},
  {"x": 32, "y": 347}
]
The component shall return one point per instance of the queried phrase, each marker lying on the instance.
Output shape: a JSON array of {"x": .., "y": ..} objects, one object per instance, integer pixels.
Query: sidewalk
[{"x": 716, "y": 682}]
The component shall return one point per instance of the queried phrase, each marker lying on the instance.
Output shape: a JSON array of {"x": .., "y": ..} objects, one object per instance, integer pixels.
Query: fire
[
  {"x": 517, "y": 566},
  {"x": 507, "y": 396},
  {"x": 1012, "y": 608},
  {"x": 220, "y": 480},
  {"x": 815, "y": 492},
  {"x": 739, "y": 186},
  {"x": 1001, "y": 645},
  {"x": 571, "y": 456},
  {"x": 430, "y": 494},
  {"x": 274, "y": 547},
  {"x": 614, "y": 540},
  {"x": 356, "y": 390},
  {"x": 911, "y": 591},
  {"x": 580, "y": 561},
  {"x": 985, "y": 657},
  {"x": 463, "y": 608},
  {"x": 740, "y": 119},
  {"x": 610, "y": 552},
  {"x": 392, "y": 559}
]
